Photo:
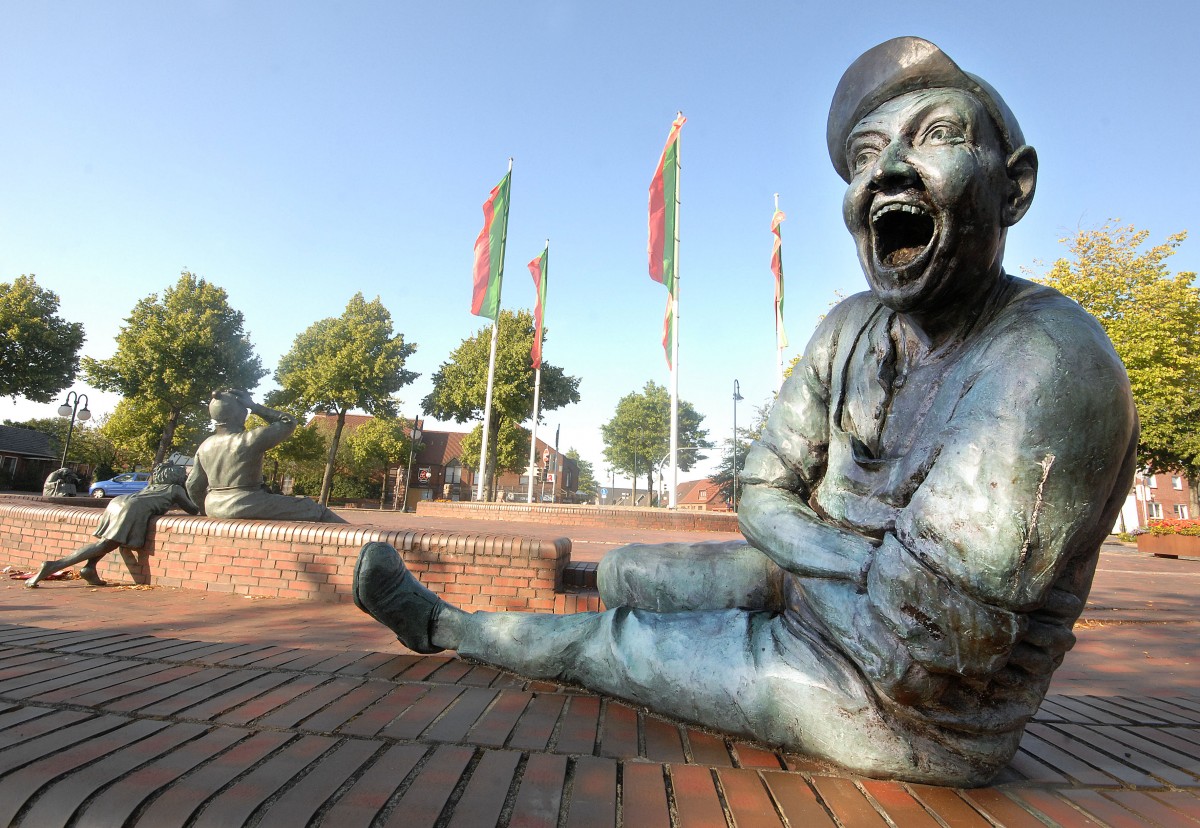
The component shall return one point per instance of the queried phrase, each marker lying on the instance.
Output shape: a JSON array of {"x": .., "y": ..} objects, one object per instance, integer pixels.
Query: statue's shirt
[{"x": 987, "y": 473}]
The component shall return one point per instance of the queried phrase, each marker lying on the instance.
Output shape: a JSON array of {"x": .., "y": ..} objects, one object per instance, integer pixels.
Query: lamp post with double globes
[{"x": 70, "y": 408}]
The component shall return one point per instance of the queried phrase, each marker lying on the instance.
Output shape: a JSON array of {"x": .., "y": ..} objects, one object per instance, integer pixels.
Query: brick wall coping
[
  {"x": 288, "y": 559},
  {"x": 584, "y": 515}
]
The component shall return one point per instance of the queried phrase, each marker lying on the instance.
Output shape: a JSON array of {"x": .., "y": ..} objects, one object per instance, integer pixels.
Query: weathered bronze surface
[
  {"x": 125, "y": 522},
  {"x": 925, "y": 506},
  {"x": 227, "y": 475}
]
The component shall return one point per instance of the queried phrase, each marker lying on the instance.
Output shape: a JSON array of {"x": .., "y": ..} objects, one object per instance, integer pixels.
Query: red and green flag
[
  {"x": 777, "y": 269},
  {"x": 664, "y": 225},
  {"x": 539, "y": 267},
  {"x": 489, "y": 252}
]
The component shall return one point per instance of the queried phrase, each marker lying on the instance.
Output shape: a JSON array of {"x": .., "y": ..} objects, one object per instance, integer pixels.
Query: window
[
  {"x": 1176, "y": 482},
  {"x": 1154, "y": 510},
  {"x": 454, "y": 473},
  {"x": 1181, "y": 511},
  {"x": 1152, "y": 482},
  {"x": 703, "y": 494}
]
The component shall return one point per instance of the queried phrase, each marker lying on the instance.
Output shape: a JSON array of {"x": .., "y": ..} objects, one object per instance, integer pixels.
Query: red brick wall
[
  {"x": 567, "y": 515},
  {"x": 299, "y": 560}
]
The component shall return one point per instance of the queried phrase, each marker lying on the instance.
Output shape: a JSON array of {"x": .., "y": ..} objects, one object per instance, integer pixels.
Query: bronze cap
[{"x": 894, "y": 68}]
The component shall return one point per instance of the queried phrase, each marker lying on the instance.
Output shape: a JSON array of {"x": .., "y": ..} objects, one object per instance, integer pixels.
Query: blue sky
[{"x": 296, "y": 153}]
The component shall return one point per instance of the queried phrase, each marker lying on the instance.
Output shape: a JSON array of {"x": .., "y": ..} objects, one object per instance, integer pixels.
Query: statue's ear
[{"x": 1022, "y": 168}]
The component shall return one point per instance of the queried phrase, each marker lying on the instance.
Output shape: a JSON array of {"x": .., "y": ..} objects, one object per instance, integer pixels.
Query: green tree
[
  {"x": 341, "y": 363},
  {"x": 39, "y": 350},
  {"x": 88, "y": 443},
  {"x": 1153, "y": 319},
  {"x": 587, "y": 488},
  {"x": 377, "y": 444},
  {"x": 509, "y": 449},
  {"x": 723, "y": 476},
  {"x": 173, "y": 352},
  {"x": 638, "y": 437},
  {"x": 135, "y": 427},
  {"x": 460, "y": 389}
]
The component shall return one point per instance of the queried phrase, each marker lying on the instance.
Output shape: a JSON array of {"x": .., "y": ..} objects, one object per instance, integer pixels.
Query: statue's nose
[{"x": 892, "y": 167}]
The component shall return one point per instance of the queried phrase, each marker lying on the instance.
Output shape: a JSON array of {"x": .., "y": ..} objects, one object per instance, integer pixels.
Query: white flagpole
[
  {"x": 487, "y": 405},
  {"x": 537, "y": 394},
  {"x": 671, "y": 498}
]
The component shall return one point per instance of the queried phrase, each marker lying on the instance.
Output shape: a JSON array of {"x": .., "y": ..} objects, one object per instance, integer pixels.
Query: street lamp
[
  {"x": 737, "y": 397},
  {"x": 70, "y": 408},
  {"x": 414, "y": 437}
]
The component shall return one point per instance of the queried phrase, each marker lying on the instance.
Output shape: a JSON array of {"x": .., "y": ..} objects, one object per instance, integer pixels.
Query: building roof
[
  {"x": 25, "y": 442},
  {"x": 703, "y": 491}
]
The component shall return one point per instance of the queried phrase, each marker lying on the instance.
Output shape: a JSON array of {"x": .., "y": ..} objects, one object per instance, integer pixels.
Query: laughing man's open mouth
[{"x": 903, "y": 232}]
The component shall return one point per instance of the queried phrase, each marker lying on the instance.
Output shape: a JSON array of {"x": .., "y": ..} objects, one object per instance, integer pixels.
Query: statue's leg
[
  {"x": 91, "y": 553},
  {"x": 680, "y": 577}
]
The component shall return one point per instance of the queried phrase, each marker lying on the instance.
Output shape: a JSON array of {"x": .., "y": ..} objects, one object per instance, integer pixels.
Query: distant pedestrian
[{"x": 125, "y": 522}]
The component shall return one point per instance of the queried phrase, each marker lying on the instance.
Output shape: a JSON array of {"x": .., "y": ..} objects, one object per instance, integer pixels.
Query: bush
[{"x": 1173, "y": 526}]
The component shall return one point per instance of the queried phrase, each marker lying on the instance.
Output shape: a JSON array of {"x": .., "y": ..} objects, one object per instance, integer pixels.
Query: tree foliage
[
  {"x": 460, "y": 385},
  {"x": 587, "y": 488},
  {"x": 723, "y": 476},
  {"x": 172, "y": 353},
  {"x": 136, "y": 425},
  {"x": 1153, "y": 319},
  {"x": 509, "y": 448},
  {"x": 638, "y": 437},
  {"x": 377, "y": 444},
  {"x": 355, "y": 360},
  {"x": 39, "y": 350},
  {"x": 88, "y": 443}
]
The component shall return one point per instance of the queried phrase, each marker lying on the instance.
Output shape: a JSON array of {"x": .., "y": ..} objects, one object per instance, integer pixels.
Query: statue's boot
[
  {"x": 89, "y": 574},
  {"x": 389, "y": 593}
]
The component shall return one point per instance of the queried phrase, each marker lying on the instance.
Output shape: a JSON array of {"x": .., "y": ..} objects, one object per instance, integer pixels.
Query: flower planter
[{"x": 1169, "y": 546}]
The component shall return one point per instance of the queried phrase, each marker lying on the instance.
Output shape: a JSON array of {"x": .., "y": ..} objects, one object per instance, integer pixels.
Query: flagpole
[
  {"x": 778, "y": 322},
  {"x": 671, "y": 497},
  {"x": 487, "y": 405},
  {"x": 537, "y": 393}
]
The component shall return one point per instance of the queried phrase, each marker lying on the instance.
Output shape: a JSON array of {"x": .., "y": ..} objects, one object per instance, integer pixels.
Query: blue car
[{"x": 126, "y": 483}]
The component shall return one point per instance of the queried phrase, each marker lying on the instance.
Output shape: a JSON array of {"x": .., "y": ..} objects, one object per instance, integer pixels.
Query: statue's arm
[
  {"x": 197, "y": 484},
  {"x": 184, "y": 501},
  {"x": 787, "y": 462},
  {"x": 280, "y": 424},
  {"x": 1029, "y": 465}
]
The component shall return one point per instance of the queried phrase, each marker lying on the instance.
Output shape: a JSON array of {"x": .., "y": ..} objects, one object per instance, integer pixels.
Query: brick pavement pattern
[{"x": 110, "y": 728}]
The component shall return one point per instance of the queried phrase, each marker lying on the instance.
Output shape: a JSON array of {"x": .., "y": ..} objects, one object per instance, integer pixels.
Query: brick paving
[{"x": 166, "y": 707}]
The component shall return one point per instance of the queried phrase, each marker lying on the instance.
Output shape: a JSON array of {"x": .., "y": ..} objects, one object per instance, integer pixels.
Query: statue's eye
[
  {"x": 864, "y": 157},
  {"x": 943, "y": 133}
]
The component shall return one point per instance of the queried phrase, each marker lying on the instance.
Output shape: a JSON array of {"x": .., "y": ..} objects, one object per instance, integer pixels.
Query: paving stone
[
  {"x": 695, "y": 794},
  {"x": 580, "y": 725},
  {"x": 21, "y": 786},
  {"x": 1058, "y": 810},
  {"x": 644, "y": 795},
  {"x": 797, "y": 800},
  {"x": 61, "y": 799},
  {"x": 483, "y": 799},
  {"x": 362, "y": 802},
  {"x": 847, "y": 803},
  {"x": 749, "y": 802},
  {"x": 30, "y": 741},
  {"x": 116, "y": 804},
  {"x": 62, "y": 669},
  {"x": 377, "y": 716},
  {"x": 539, "y": 797},
  {"x": 423, "y": 712},
  {"x": 218, "y": 681},
  {"x": 898, "y": 804},
  {"x": 593, "y": 802},
  {"x": 53, "y": 680},
  {"x": 275, "y": 697},
  {"x": 311, "y": 702},
  {"x": 347, "y": 706},
  {"x": 1002, "y": 810},
  {"x": 303, "y": 799},
  {"x": 1123, "y": 773},
  {"x": 426, "y": 797},
  {"x": 235, "y": 804},
  {"x": 619, "y": 731},
  {"x": 110, "y": 697},
  {"x": 176, "y": 804},
  {"x": 461, "y": 716},
  {"x": 170, "y": 683},
  {"x": 535, "y": 728},
  {"x": 216, "y": 705},
  {"x": 498, "y": 721},
  {"x": 708, "y": 749},
  {"x": 947, "y": 804},
  {"x": 664, "y": 742},
  {"x": 114, "y": 678},
  {"x": 1105, "y": 810},
  {"x": 751, "y": 756}
]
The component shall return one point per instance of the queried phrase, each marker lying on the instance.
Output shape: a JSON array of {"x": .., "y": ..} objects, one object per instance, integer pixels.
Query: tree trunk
[
  {"x": 383, "y": 485},
  {"x": 650, "y": 488},
  {"x": 327, "y": 480},
  {"x": 493, "y": 453},
  {"x": 168, "y": 437}
]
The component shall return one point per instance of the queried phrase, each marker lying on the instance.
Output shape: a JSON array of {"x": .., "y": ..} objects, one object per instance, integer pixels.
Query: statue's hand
[{"x": 242, "y": 396}]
